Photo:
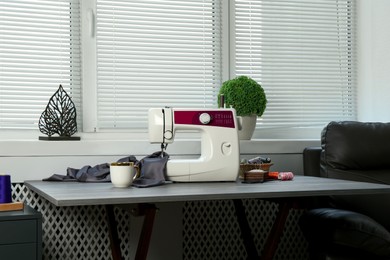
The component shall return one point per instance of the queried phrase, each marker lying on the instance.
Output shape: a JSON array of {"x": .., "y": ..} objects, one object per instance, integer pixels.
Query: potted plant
[{"x": 248, "y": 98}]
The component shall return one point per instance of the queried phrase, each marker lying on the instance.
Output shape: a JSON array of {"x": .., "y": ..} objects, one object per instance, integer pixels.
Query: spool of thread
[{"x": 5, "y": 189}]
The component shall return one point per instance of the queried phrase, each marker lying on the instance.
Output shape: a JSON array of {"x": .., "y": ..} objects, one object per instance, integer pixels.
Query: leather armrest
[{"x": 311, "y": 161}]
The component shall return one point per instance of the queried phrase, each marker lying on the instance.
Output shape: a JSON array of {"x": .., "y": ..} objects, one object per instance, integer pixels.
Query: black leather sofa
[{"x": 350, "y": 227}]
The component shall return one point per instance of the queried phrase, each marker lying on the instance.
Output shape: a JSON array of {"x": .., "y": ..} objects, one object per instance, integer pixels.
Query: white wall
[
  {"x": 33, "y": 159},
  {"x": 374, "y": 60}
]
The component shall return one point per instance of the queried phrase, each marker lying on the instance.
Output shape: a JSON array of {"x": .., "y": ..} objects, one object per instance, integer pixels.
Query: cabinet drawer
[
  {"x": 22, "y": 231},
  {"x": 19, "y": 252}
]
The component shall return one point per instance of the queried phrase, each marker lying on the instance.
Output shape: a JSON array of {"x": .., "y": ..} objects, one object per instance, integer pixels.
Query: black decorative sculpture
[{"x": 59, "y": 117}]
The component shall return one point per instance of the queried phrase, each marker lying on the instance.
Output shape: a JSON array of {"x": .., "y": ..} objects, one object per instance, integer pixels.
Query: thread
[{"x": 5, "y": 189}]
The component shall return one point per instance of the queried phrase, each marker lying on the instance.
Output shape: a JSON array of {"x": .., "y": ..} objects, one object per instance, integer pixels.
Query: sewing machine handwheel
[{"x": 205, "y": 118}]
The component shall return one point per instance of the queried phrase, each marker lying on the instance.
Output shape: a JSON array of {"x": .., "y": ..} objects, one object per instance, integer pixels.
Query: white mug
[{"x": 122, "y": 174}]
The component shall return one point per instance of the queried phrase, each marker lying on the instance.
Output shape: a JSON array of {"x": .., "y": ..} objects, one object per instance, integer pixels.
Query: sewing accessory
[
  {"x": 246, "y": 167},
  {"x": 260, "y": 160},
  {"x": 283, "y": 176},
  {"x": 254, "y": 176}
]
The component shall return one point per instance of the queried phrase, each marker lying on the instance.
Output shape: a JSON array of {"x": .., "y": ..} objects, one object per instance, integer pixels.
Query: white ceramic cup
[{"x": 122, "y": 174}]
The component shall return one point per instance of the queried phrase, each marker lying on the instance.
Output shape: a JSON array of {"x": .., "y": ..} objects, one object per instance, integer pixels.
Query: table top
[{"x": 78, "y": 193}]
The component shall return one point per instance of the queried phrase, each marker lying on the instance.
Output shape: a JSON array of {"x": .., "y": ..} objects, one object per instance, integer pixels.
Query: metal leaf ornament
[{"x": 59, "y": 117}]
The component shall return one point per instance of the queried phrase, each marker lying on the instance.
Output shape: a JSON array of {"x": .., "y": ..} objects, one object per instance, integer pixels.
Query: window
[
  {"x": 155, "y": 54},
  {"x": 140, "y": 54},
  {"x": 303, "y": 54},
  {"x": 39, "y": 50}
]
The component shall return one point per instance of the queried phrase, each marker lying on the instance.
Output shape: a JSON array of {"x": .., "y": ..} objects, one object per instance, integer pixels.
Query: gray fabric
[
  {"x": 152, "y": 170},
  {"x": 97, "y": 173}
]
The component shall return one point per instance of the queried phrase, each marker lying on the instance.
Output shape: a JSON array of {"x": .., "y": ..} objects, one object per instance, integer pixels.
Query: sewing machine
[{"x": 219, "y": 158}]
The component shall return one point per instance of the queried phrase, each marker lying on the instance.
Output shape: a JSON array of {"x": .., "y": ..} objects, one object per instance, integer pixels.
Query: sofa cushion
[
  {"x": 328, "y": 227},
  {"x": 351, "y": 145}
]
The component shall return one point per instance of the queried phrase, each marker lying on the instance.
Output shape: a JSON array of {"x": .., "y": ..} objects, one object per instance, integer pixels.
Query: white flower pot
[{"x": 246, "y": 126}]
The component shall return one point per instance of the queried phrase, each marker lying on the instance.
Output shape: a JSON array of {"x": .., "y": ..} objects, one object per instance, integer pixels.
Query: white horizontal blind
[
  {"x": 155, "y": 54},
  {"x": 303, "y": 54},
  {"x": 39, "y": 50}
]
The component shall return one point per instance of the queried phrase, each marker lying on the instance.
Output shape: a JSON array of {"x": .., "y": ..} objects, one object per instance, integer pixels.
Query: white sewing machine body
[{"x": 219, "y": 158}]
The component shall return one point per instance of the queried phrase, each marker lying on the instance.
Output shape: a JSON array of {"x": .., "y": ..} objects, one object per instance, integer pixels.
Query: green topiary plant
[{"x": 245, "y": 95}]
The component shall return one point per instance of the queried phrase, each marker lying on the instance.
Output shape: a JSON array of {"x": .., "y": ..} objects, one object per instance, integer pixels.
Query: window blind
[
  {"x": 155, "y": 54},
  {"x": 302, "y": 52},
  {"x": 39, "y": 50}
]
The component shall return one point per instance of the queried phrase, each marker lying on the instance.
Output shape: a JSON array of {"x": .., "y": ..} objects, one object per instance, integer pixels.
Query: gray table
[{"x": 77, "y": 194}]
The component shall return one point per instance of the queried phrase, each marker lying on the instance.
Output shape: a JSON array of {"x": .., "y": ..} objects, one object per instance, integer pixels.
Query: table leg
[
  {"x": 113, "y": 233},
  {"x": 149, "y": 213},
  {"x": 276, "y": 232},
  {"x": 275, "y": 235},
  {"x": 246, "y": 232}
]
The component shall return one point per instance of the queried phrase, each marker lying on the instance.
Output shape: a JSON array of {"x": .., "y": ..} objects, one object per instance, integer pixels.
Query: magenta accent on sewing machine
[{"x": 220, "y": 118}]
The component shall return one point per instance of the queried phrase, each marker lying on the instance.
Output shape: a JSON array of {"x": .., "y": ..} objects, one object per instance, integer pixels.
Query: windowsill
[
  {"x": 20, "y": 143},
  {"x": 30, "y": 147}
]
